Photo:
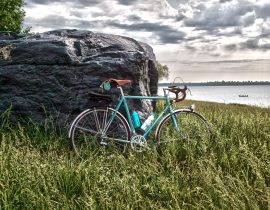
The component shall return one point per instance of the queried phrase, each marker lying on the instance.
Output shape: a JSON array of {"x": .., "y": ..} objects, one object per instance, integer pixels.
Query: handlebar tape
[{"x": 176, "y": 91}]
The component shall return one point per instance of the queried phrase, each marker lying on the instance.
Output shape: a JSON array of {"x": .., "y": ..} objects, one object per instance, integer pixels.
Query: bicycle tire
[
  {"x": 93, "y": 126},
  {"x": 192, "y": 126}
]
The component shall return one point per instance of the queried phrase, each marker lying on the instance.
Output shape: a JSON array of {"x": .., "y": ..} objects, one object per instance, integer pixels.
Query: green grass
[{"x": 38, "y": 170}]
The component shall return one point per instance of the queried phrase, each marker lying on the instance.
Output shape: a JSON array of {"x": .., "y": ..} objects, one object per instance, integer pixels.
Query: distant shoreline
[{"x": 222, "y": 83}]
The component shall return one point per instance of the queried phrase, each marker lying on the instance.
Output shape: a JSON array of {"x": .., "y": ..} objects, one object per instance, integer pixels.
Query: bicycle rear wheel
[
  {"x": 190, "y": 126},
  {"x": 102, "y": 126}
]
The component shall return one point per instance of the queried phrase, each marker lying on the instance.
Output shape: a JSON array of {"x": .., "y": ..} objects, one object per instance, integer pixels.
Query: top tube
[
  {"x": 146, "y": 97},
  {"x": 165, "y": 97}
]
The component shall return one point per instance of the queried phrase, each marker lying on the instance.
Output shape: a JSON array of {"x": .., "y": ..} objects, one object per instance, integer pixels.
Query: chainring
[{"x": 138, "y": 143}]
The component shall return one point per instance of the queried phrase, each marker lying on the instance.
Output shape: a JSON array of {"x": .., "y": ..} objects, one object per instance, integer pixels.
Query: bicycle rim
[
  {"x": 99, "y": 126},
  {"x": 191, "y": 127}
]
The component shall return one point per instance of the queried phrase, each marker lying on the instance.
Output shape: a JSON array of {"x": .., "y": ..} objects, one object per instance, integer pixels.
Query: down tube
[{"x": 155, "y": 122}]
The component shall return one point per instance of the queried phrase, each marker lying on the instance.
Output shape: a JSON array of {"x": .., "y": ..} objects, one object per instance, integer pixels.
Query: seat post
[{"x": 121, "y": 90}]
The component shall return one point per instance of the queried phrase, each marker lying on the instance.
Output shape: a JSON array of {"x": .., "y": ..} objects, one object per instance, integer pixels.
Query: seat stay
[{"x": 113, "y": 116}]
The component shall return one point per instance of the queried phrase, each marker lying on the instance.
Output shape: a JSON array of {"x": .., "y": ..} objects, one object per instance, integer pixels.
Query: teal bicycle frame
[{"x": 123, "y": 101}]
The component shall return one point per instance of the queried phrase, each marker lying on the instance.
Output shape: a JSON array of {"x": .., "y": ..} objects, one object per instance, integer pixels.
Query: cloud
[
  {"x": 250, "y": 44},
  {"x": 179, "y": 17},
  {"x": 220, "y": 15},
  {"x": 76, "y": 13},
  {"x": 193, "y": 25},
  {"x": 75, "y": 2},
  {"x": 171, "y": 37},
  {"x": 262, "y": 10},
  {"x": 127, "y": 2},
  {"x": 58, "y": 21},
  {"x": 230, "y": 47},
  {"x": 224, "y": 1},
  {"x": 165, "y": 33},
  {"x": 134, "y": 18},
  {"x": 265, "y": 34},
  {"x": 254, "y": 44}
]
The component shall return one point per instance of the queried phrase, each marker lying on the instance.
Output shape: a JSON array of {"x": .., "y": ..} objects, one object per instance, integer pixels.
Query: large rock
[{"x": 55, "y": 70}]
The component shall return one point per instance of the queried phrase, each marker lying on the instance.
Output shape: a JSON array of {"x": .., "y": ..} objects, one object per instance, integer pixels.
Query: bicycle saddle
[{"x": 116, "y": 82}]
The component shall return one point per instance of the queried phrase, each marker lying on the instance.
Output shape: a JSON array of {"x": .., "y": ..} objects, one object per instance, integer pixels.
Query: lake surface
[{"x": 258, "y": 95}]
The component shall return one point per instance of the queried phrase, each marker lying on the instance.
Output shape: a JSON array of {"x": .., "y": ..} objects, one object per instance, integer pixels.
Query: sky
[{"x": 199, "y": 40}]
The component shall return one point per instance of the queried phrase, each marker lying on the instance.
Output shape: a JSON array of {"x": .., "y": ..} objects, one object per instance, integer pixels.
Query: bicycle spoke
[
  {"x": 104, "y": 119},
  {"x": 100, "y": 126},
  {"x": 110, "y": 121},
  {"x": 96, "y": 119}
]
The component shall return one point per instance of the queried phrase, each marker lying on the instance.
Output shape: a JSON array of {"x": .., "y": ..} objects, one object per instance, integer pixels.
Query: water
[{"x": 258, "y": 95}]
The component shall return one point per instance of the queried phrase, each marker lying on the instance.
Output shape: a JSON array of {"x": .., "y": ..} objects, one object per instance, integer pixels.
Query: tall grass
[{"x": 38, "y": 170}]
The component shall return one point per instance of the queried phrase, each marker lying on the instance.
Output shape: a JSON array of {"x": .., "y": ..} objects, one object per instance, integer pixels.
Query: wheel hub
[{"x": 100, "y": 139}]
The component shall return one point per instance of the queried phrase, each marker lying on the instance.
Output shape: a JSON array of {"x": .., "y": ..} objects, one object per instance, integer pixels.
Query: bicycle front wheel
[
  {"x": 102, "y": 126},
  {"x": 183, "y": 125}
]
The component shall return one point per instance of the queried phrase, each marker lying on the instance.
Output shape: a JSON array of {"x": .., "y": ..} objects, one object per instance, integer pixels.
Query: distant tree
[
  {"x": 11, "y": 16},
  {"x": 163, "y": 70}
]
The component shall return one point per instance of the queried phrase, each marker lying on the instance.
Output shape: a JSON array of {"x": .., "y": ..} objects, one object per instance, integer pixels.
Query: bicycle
[{"x": 106, "y": 125}]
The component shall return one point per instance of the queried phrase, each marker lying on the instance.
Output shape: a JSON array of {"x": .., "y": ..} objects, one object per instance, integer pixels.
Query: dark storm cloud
[{"x": 165, "y": 33}]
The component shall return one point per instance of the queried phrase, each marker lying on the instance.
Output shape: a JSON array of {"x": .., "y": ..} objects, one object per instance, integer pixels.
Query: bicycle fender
[{"x": 75, "y": 120}]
